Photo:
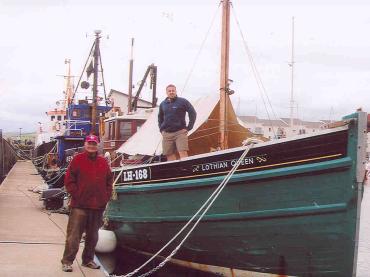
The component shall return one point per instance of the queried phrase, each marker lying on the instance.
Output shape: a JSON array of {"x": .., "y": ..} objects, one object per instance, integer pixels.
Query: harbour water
[
  {"x": 127, "y": 262},
  {"x": 363, "y": 262}
]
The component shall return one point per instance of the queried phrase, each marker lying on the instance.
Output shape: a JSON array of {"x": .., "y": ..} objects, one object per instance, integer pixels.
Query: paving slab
[{"x": 31, "y": 238}]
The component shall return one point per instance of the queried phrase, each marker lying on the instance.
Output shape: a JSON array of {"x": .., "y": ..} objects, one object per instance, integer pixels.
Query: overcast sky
[{"x": 332, "y": 52}]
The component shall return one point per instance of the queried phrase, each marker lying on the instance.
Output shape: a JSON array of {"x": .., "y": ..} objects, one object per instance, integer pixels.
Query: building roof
[
  {"x": 273, "y": 122},
  {"x": 296, "y": 121},
  {"x": 266, "y": 122},
  {"x": 125, "y": 94},
  {"x": 313, "y": 124},
  {"x": 248, "y": 118},
  {"x": 282, "y": 122}
]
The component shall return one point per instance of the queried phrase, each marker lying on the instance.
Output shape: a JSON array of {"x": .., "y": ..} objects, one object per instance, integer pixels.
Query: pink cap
[{"x": 92, "y": 138}]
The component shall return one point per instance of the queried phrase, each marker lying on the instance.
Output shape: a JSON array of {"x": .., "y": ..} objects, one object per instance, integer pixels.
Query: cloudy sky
[{"x": 332, "y": 52}]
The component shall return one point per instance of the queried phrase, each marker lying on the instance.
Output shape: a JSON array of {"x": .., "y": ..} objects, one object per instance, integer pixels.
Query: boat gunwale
[
  {"x": 235, "y": 149},
  {"x": 317, "y": 167}
]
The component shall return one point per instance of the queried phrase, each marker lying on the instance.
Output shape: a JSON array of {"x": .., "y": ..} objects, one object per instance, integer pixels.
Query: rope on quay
[{"x": 30, "y": 242}]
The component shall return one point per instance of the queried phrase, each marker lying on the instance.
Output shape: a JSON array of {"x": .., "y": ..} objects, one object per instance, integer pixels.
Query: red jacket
[{"x": 89, "y": 182}]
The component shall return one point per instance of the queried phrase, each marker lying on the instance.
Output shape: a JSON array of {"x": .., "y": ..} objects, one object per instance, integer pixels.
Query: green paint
[{"x": 298, "y": 220}]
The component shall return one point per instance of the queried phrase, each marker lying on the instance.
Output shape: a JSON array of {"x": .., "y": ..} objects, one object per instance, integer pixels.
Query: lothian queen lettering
[
  {"x": 246, "y": 161},
  {"x": 215, "y": 165},
  {"x": 222, "y": 164}
]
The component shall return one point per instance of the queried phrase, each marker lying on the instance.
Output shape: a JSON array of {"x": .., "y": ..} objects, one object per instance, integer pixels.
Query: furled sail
[{"x": 203, "y": 138}]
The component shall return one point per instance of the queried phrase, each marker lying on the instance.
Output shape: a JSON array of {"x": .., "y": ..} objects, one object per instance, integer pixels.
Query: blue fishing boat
[{"x": 81, "y": 117}]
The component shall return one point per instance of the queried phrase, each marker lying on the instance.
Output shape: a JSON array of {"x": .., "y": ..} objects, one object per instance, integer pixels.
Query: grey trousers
[{"x": 82, "y": 220}]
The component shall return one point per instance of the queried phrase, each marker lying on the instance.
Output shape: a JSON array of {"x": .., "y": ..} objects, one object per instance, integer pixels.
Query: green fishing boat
[
  {"x": 295, "y": 211},
  {"x": 289, "y": 206}
]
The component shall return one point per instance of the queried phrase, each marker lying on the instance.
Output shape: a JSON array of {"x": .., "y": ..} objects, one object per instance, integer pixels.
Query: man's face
[
  {"x": 91, "y": 147},
  {"x": 171, "y": 92}
]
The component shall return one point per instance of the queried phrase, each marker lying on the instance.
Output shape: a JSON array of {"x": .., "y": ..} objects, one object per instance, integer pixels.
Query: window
[
  {"x": 111, "y": 130},
  {"x": 269, "y": 129},
  {"x": 280, "y": 133},
  {"x": 59, "y": 117},
  {"x": 258, "y": 131},
  {"x": 138, "y": 125},
  {"x": 52, "y": 117},
  {"x": 76, "y": 113},
  {"x": 85, "y": 114},
  {"x": 125, "y": 130},
  {"x": 106, "y": 131}
]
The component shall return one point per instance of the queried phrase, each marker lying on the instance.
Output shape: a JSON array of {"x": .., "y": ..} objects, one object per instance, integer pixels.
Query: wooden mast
[
  {"x": 95, "y": 84},
  {"x": 224, "y": 77}
]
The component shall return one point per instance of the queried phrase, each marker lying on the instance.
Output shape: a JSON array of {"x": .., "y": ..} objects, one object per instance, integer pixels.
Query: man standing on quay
[
  {"x": 89, "y": 182},
  {"x": 172, "y": 125}
]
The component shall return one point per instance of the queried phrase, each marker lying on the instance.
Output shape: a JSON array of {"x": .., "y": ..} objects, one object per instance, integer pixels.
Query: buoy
[{"x": 107, "y": 241}]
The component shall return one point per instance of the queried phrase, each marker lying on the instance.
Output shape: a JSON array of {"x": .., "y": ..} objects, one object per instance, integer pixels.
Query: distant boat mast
[
  {"x": 131, "y": 68},
  {"x": 69, "y": 86},
  {"x": 292, "y": 78},
  {"x": 95, "y": 83}
]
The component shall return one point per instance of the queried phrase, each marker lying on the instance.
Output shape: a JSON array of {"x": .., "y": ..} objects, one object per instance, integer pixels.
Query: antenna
[
  {"x": 131, "y": 68},
  {"x": 292, "y": 78}
]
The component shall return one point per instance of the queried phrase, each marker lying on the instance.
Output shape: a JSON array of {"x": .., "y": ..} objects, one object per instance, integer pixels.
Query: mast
[
  {"x": 131, "y": 68},
  {"x": 95, "y": 84},
  {"x": 224, "y": 74},
  {"x": 69, "y": 85},
  {"x": 292, "y": 78}
]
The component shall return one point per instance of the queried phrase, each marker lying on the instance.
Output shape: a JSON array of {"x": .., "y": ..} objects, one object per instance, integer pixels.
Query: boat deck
[{"x": 31, "y": 239}]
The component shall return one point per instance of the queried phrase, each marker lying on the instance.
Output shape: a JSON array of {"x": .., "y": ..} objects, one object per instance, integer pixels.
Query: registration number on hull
[{"x": 136, "y": 175}]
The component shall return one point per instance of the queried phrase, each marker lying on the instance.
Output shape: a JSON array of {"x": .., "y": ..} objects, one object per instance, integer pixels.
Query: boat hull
[
  {"x": 43, "y": 149},
  {"x": 298, "y": 218}
]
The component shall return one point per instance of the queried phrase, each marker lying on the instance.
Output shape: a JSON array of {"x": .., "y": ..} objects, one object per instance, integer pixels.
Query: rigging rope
[
  {"x": 82, "y": 74},
  {"x": 256, "y": 74},
  {"x": 200, "y": 50},
  {"x": 19, "y": 153},
  {"x": 116, "y": 158}
]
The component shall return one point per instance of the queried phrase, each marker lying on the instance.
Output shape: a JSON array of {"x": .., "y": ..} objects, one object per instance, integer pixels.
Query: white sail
[{"x": 202, "y": 138}]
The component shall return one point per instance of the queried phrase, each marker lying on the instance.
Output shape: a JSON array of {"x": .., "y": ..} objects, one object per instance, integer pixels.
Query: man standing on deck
[
  {"x": 172, "y": 125},
  {"x": 89, "y": 182}
]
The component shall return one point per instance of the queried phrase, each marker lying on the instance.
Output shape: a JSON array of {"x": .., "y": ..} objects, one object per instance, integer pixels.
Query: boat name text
[{"x": 228, "y": 164}]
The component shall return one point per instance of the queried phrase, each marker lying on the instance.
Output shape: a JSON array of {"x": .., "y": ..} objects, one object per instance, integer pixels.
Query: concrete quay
[{"x": 31, "y": 238}]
